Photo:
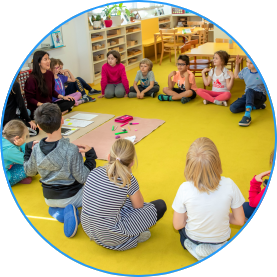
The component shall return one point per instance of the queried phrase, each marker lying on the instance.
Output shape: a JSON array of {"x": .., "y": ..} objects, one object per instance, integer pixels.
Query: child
[
  {"x": 255, "y": 92},
  {"x": 201, "y": 206},
  {"x": 114, "y": 82},
  {"x": 185, "y": 81},
  {"x": 13, "y": 143},
  {"x": 223, "y": 81},
  {"x": 255, "y": 192},
  {"x": 61, "y": 167},
  {"x": 60, "y": 81},
  {"x": 78, "y": 85},
  {"x": 109, "y": 216},
  {"x": 147, "y": 86}
]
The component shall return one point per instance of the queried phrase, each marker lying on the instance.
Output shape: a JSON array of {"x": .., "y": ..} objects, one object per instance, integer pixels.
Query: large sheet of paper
[{"x": 84, "y": 116}]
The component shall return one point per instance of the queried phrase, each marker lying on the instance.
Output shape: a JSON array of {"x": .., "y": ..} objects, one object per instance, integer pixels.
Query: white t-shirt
[
  {"x": 219, "y": 82},
  {"x": 208, "y": 214}
]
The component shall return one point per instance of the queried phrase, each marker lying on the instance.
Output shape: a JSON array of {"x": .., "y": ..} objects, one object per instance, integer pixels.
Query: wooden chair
[
  {"x": 206, "y": 27},
  {"x": 231, "y": 61},
  {"x": 195, "y": 23},
  {"x": 193, "y": 43},
  {"x": 185, "y": 47},
  {"x": 169, "y": 43}
]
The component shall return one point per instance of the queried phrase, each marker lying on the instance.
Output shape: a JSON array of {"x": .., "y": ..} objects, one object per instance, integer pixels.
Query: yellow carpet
[{"x": 161, "y": 160}]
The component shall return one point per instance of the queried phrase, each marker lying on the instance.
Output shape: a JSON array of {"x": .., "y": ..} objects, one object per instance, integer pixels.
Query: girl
[
  {"x": 147, "y": 86},
  {"x": 114, "y": 82},
  {"x": 40, "y": 86},
  {"x": 15, "y": 102},
  {"x": 109, "y": 217},
  {"x": 60, "y": 80},
  {"x": 201, "y": 206},
  {"x": 13, "y": 143},
  {"x": 185, "y": 81},
  {"x": 223, "y": 81},
  {"x": 255, "y": 192}
]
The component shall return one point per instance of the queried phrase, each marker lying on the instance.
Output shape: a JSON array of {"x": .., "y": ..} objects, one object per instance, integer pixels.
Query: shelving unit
[{"x": 118, "y": 42}]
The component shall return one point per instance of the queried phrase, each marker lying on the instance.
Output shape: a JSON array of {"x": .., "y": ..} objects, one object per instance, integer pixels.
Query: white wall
[{"x": 219, "y": 34}]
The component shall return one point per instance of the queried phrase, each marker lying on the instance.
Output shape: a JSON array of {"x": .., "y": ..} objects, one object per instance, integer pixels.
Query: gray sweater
[{"x": 63, "y": 166}]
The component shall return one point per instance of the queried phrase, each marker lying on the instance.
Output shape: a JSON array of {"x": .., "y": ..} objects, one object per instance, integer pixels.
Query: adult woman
[{"x": 40, "y": 86}]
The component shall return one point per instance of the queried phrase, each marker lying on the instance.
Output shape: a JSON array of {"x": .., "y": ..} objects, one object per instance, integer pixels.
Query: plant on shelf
[
  {"x": 119, "y": 9},
  {"x": 132, "y": 17},
  {"x": 107, "y": 13},
  {"x": 96, "y": 21}
]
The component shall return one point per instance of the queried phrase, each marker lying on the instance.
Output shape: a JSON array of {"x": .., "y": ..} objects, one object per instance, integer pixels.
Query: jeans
[
  {"x": 160, "y": 207},
  {"x": 248, "y": 211},
  {"x": 78, "y": 85},
  {"x": 133, "y": 93},
  {"x": 250, "y": 98}
]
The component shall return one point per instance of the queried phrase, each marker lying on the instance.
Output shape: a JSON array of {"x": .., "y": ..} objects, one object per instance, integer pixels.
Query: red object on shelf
[{"x": 108, "y": 23}]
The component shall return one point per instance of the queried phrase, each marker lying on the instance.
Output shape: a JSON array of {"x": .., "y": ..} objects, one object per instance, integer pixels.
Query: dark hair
[
  {"x": 223, "y": 55},
  {"x": 38, "y": 74},
  {"x": 116, "y": 55},
  {"x": 48, "y": 116},
  {"x": 184, "y": 58},
  {"x": 53, "y": 63}
]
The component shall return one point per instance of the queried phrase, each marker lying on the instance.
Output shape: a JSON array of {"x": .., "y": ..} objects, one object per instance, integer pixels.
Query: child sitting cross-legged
[
  {"x": 185, "y": 81},
  {"x": 148, "y": 86},
  {"x": 202, "y": 204},
  {"x": 61, "y": 167}
]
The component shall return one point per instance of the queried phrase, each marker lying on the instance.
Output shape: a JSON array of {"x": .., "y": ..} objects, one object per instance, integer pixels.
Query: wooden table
[
  {"x": 178, "y": 34},
  {"x": 208, "y": 49}
]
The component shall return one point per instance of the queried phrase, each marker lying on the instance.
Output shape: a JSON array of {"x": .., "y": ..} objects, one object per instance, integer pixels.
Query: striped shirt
[{"x": 108, "y": 216}]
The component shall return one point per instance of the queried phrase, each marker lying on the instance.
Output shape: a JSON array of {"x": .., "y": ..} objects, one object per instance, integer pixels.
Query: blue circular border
[{"x": 271, "y": 104}]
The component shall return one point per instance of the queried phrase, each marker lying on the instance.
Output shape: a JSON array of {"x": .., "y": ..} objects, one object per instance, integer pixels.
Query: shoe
[
  {"x": 185, "y": 100},
  {"x": 262, "y": 107},
  {"x": 245, "y": 121},
  {"x": 205, "y": 102},
  {"x": 204, "y": 250},
  {"x": 163, "y": 97},
  {"x": 94, "y": 91},
  {"x": 27, "y": 180},
  {"x": 144, "y": 236},
  {"x": 153, "y": 94},
  {"x": 32, "y": 132},
  {"x": 190, "y": 246},
  {"x": 57, "y": 213},
  {"x": 70, "y": 221},
  {"x": 91, "y": 99},
  {"x": 225, "y": 103}
]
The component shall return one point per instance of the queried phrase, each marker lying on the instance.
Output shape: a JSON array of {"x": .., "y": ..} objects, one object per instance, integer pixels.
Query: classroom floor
[{"x": 161, "y": 155}]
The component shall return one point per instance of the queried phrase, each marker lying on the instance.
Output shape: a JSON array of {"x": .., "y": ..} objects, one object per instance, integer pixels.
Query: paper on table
[
  {"x": 132, "y": 139},
  {"x": 76, "y": 122},
  {"x": 84, "y": 116}
]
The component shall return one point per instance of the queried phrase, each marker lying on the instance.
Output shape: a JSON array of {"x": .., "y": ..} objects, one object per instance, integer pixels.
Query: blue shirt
[
  {"x": 59, "y": 85},
  {"x": 252, "y": 80}
]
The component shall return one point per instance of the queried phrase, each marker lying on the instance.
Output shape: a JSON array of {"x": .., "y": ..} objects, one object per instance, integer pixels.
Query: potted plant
[
  {"x": 107, "y": 13},
  {"x": 117, "y": 10},
  {"x": 132, "y": 17},
  {"x": 96, "y": 21}
]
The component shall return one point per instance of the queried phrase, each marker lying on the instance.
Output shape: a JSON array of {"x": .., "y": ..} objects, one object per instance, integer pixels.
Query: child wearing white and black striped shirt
[{"x": 109, "y": 216}]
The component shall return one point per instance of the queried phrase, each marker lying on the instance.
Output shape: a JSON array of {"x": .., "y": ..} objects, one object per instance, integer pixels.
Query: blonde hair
[
  {"x": 148, "y": 62},
  {"x": 14, "y": 128},
  {"x": 122, "y": 154},
  {"x": 271, "y": 157},
  {"x": 203, "y": 165}
]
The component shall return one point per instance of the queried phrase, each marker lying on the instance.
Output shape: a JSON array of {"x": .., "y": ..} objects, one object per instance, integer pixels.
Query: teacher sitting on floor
[{"x": 40, "y": 86}]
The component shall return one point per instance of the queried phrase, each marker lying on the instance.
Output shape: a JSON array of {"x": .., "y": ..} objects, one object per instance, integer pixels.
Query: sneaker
[
  {"x": 205, "y": 102},
  {"x": 245, "y": 121},
  {"x": 163, "y": 97},
  {"x": 94, "y": 91},
  {"x": 70, "y": 221},
  {"x": 57, "y": 213},
  {"x": 144, "y": 236},
  {"x": 32, "y": 132},
  {"x": 91, "y": 99},
  {"x": 153, "y": 94},
  {"x": 190, "y": 246},
  {"x": 185, "y": 100},
  {"x": 204, "y": 250},
  {"x": 262, "y": 107}
]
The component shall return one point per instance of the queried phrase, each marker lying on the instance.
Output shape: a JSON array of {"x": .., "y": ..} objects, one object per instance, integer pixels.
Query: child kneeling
[
  {"x": 61, "y": 167},
  {"x": 201, "y": 206}
]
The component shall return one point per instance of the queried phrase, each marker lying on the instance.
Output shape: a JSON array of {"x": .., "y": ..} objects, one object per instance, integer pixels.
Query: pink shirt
[
  {"x": 114, "y": 75},
  {"x": 181, "y": 81},
  {"x": 255, "y": 193}
]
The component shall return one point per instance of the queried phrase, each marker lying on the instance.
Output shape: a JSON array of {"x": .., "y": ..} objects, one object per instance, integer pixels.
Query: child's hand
[
  {"x": 34, "y": 143},
  {"x": 238, "y": 59},
  {"x": 33, "y": 125},
  {"x": 83, "y": 148},
  {"x": 126, "y": 95},
  {"x": 259, "y": 178},
  {"x": 68, "y": 98},
  {"x": 101, "y": 96},
  {"x": 206, "y": 70},
  {"x": 173, "y": 73}
]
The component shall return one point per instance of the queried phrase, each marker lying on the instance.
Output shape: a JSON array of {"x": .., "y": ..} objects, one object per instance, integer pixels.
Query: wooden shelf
[
  {"x": 98, "y": 40},
  {"x": 130, "y": 33},
  {"x": 95, "y": 62},
  {"x": 129, "y": 57},
  {"x": 134, "y": 46}
]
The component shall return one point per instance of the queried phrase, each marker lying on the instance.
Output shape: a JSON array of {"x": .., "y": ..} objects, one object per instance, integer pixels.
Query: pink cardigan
[
  {"x": 255, "y": 193},
  {"x": 114, "y": 75}
]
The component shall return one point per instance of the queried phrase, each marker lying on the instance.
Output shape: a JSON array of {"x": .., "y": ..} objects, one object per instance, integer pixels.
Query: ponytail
[{"x": 121, "y": 156}]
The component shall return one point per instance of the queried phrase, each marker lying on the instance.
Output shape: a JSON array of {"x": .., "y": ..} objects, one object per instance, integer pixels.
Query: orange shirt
[{"x": 181, "y": 81}]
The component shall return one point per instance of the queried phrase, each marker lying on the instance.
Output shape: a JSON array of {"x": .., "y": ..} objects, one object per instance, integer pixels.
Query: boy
[
  {"x": 61, "y": 167},
  {"x": 148, "y": 86},
  {"x": 255, "y": 92},
  {"x": 185, "y": 81}
]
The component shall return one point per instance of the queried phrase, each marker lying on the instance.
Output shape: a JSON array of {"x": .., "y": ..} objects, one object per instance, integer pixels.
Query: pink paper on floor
[{"x": 102, "y": 138}]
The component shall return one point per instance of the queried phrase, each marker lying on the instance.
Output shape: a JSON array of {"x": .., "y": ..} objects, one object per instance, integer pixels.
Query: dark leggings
[
  {"x": 248, "y": 210},
  {"x": 78, "y": 85},
  {"x": 160, "y": 207},
  {"x": 65, "y": 105}
]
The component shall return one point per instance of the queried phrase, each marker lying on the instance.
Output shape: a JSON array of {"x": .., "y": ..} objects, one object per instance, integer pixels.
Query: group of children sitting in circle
[{"x": 114, "y": 213}]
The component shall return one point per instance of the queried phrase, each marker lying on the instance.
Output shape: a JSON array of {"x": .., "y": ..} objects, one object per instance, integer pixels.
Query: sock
[
  {"x": 162, "y": 97},
  {"x": 217, "y": 102},
  {"x": 248, "y": 111},
  {"x": 27, "y": 180},
  {"x": 254, "y": 108}
]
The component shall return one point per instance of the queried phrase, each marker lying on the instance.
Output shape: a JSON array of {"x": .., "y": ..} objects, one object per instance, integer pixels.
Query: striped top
[{"x": 108, "y": 216}]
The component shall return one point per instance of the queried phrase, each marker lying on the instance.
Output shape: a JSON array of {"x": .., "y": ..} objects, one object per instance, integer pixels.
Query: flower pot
[
  {"x": 116, "y": 20},
  {"x": 132, "y": 19},
  {"x": 97, "y": 25},
  {"x": 108, "y": 23}
]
